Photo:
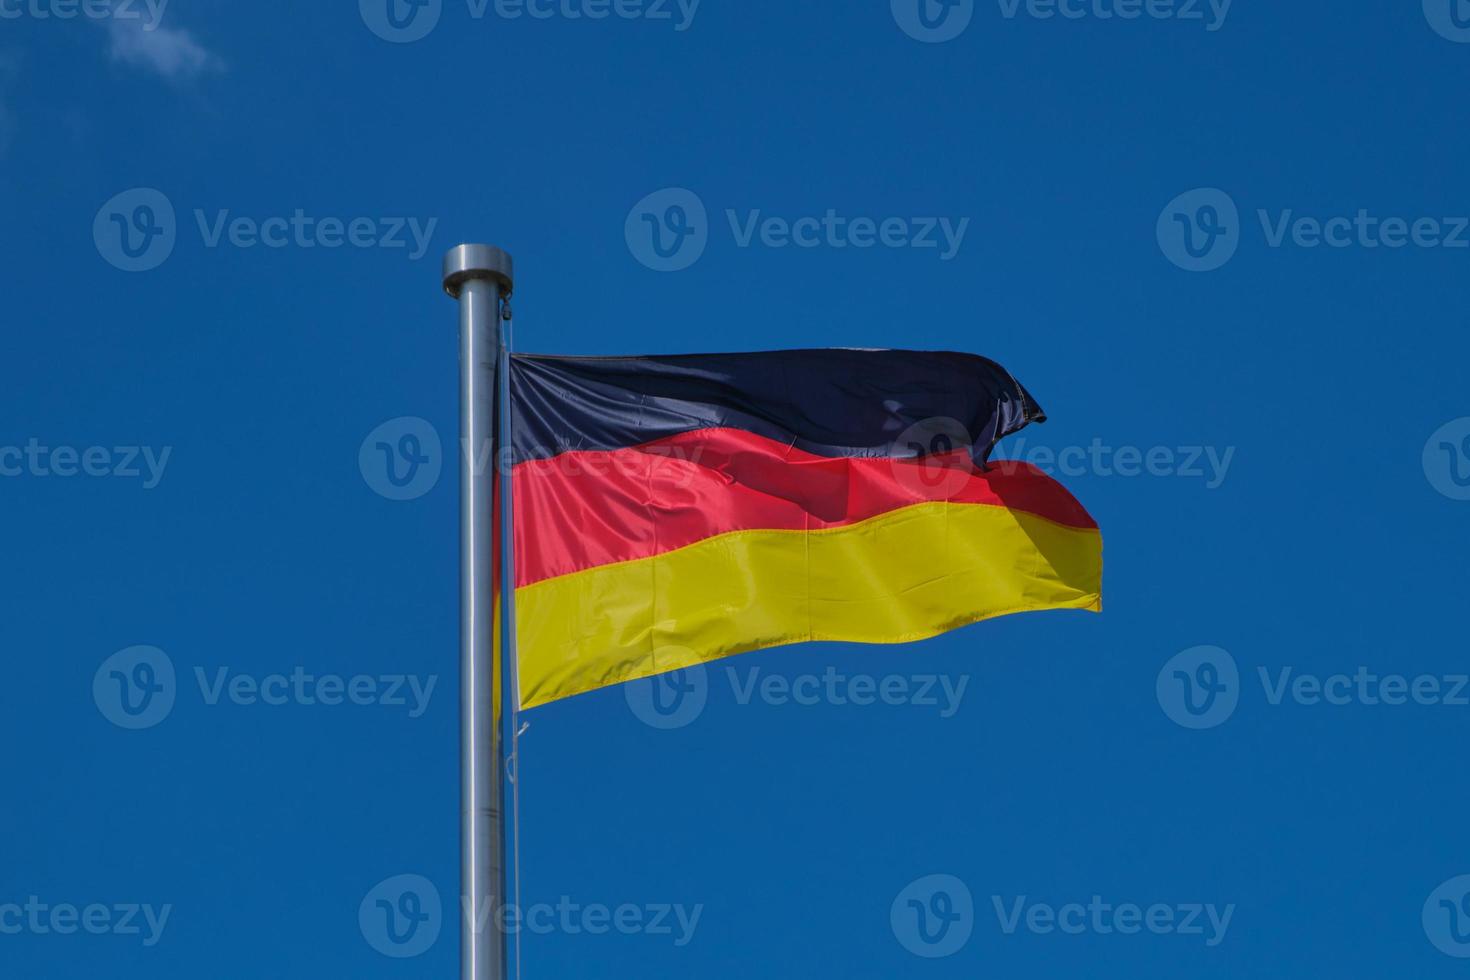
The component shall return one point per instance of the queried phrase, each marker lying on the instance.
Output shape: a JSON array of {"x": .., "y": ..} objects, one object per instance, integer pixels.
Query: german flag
[{"x": 673, "y": 510}]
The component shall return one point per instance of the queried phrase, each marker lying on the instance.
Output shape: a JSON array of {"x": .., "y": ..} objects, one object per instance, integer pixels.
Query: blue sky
[{"x": 1224, "y": 245}]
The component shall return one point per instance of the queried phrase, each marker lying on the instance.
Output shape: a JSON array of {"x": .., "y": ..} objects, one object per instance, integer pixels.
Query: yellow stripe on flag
[{"x": 904, "y": 575}]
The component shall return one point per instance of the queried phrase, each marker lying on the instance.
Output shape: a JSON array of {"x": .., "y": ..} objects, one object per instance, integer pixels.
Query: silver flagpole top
[{"x": 465, "y": 262}]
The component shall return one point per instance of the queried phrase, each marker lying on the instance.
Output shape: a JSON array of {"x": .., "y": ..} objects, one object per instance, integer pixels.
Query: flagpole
[{"x": 479, "y": 277}]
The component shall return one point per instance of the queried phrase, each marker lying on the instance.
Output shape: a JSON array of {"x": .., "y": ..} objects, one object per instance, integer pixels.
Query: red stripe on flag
[{"x": 580, "y": 510}]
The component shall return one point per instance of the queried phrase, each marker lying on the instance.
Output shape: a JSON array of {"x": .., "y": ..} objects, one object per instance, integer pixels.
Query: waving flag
[{"x": 673, "y": 510}]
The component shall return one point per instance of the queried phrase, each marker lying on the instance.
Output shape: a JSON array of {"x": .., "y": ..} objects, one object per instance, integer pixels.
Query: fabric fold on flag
[{"x": 672, "y": 510}]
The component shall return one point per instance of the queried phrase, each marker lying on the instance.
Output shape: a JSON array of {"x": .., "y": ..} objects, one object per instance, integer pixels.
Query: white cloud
[{"x": 169, "y": 51}]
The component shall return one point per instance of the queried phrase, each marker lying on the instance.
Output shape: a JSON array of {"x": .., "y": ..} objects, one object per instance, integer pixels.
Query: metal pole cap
[{"x": 465, "y": 262}]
